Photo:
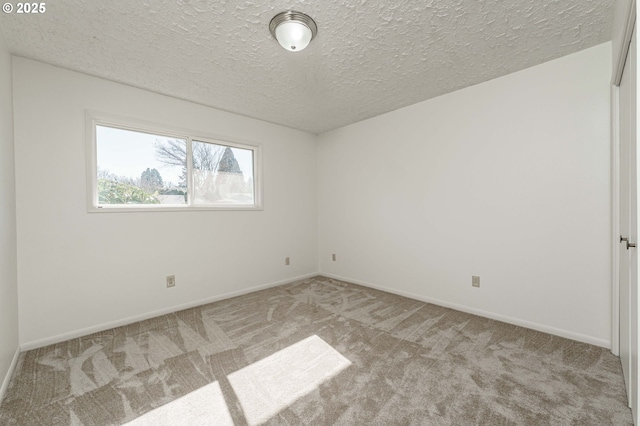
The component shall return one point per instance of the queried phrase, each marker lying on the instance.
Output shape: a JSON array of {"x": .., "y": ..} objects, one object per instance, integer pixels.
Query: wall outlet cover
[{"x": 171, "y": 281}]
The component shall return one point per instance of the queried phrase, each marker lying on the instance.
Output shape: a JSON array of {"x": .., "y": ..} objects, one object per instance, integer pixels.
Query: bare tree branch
[{"x": 172, "y": 153}]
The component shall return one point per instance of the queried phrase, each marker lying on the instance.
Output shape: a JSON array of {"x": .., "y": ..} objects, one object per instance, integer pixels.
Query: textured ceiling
[{"x": 369, "y": 57}]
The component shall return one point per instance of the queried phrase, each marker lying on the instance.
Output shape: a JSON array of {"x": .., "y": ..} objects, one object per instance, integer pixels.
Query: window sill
[{"x": 137, "y": 208}]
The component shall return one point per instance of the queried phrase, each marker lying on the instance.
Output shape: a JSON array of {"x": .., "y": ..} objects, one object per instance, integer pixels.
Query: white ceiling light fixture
[{"x": 293, "y": 30}]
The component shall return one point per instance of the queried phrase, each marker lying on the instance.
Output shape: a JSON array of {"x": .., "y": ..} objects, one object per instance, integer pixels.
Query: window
[{"x": 142, "y": 167}]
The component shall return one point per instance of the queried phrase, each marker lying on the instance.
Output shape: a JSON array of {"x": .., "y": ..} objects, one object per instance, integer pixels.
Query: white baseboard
[
  {"x": 25, "y": 346},
  {"x": 7, "y": 377},
  {"x": 498, "y": 317}
]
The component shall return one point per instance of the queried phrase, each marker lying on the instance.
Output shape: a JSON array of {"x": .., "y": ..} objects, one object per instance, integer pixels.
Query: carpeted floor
[{"x": 318, "y": 352}]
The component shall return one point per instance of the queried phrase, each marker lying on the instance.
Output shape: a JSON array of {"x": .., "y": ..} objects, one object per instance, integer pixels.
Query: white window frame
[{"x": 94, "y": 119}]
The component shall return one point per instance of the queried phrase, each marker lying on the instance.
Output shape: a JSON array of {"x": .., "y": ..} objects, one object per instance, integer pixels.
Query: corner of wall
[{"x": 9, "y": 341}]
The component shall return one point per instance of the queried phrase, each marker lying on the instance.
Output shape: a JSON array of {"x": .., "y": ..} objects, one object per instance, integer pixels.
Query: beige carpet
[{"x": 317, "y": 352}]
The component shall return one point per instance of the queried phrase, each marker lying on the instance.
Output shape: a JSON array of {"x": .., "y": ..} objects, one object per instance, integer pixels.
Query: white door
[{"x": 628, "y": 228}]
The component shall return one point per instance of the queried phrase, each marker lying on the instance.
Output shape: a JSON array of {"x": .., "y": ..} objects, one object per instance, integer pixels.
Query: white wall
[
  {"x": 8, "y": 272},
  {"x": 80, "y": 270},
  {"x": 508, "y": 180}
]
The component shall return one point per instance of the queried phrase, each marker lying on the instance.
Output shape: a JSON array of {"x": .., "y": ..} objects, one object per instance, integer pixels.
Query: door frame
[
  {"x": 615, "y": 220},
  {"x": 628, "y": 21}
]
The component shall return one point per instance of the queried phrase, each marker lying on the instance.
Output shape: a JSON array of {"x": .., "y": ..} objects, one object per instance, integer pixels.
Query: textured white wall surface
[
  {"x": 8, "y": 271},
  {"x": 508, "y": 180},
  {"x": 369, "y": 57},
  {"x": 81, "y": 270}
]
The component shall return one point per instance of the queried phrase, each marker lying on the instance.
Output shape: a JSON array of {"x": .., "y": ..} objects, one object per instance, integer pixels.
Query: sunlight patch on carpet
[
  {"x": 199, "y": 407},
  {"x": 268, "y": 386}
]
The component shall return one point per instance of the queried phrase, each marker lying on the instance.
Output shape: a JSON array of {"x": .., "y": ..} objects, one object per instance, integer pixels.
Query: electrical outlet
[
  {"x": 287, "y": 261},
  {"x": 171, "y": 281},
  {"x": 475, "y": 281},
  {"x": 333, "y": 257}
]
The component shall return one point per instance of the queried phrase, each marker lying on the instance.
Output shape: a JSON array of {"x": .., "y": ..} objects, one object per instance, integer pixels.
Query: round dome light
[{"x": 293, "y": 30}]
